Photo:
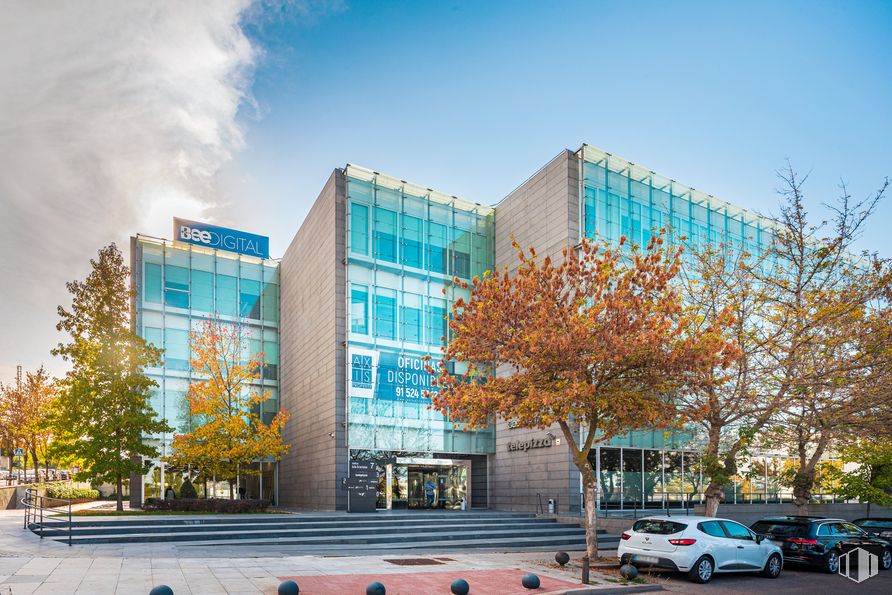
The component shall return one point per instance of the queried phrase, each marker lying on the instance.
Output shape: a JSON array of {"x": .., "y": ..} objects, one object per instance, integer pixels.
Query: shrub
[
  {"x": 205, "y": 505},
  {"x": 64, "y": 492},
  {"x": 187, "y": 490}
]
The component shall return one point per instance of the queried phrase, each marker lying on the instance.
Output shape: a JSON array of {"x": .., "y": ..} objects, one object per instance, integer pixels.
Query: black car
[
  {"x": 820, "y": 542},
  {"x": 879, "y": 526}
]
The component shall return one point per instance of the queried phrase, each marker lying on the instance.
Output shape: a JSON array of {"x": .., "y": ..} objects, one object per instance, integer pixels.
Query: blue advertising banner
[
  {"x": 389, "y": 376},
  {"x": 221, "y": 238}
]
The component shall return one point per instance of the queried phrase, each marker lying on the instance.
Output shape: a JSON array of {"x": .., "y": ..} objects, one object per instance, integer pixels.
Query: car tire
[
  {"x": 831, "y": 562},
  {"x": 886, "y": 559},
  {"x": 773, "y": 566},
  {"x": 702, "y": 570}
]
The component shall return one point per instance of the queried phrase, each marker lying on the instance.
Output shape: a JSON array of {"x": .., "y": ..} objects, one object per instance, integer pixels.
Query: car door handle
[{"x": 740, "y": 547}]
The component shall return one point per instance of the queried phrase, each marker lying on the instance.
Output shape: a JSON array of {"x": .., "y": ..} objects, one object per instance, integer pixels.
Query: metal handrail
[{"x": 35, "y": 505}]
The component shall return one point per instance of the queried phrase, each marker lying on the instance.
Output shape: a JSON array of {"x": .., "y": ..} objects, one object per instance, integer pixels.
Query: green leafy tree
[
  {"x": 871, "y": 481},
  {"x": 103, "y": 410}
]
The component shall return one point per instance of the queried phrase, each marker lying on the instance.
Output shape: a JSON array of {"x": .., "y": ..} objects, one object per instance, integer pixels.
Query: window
[
  {"x": 249, "y": 299},
  {"x": 359, "y": 228},
  {"x": 412, "y": 242},
  {"x": 203, "y": 291},
  {"x": 359, "y": 310},
  {"x": 271, "y": 357},
  {"x": 736, "y": 531},
  {"x": 176, "y": 349},
  {"x": 385, "y": 313},
  {"x": 780, "y": 529},
  {"x": 152, "y": 283},
  {"x": 411, "y": 318},
  {"x": 436, "y": 321},
  {"x": 385, "y": 234},
  {"x": 712, "y": 528},
  {"x": 176, "y": 286},
  {"x": 227, "y": 295},
  {"x": 270, "y": 301},
  {"x": 436, "y": 247},
  {"x": 851, "y": 529},
  {"x": 824, "y": 530},
  {"x": 461, "y": 254},
  {"x": 658, "y": 527}
]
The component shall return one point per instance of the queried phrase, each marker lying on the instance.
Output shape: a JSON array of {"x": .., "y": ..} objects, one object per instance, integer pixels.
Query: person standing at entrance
[{"x": 429, "y": 489}]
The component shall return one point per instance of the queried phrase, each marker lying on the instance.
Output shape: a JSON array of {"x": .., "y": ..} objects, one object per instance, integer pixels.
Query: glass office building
[
  {"x": 620, "y": 198},
  {"x": 177, "y": 287},
  {"x": 405, "y": 244}
]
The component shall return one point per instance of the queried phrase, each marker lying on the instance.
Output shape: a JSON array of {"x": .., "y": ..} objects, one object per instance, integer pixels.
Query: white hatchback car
[{"x": 699, "y": 546}]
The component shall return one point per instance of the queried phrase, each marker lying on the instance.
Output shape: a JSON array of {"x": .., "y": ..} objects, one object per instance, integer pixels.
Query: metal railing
[{"x": 40, "y": 516}]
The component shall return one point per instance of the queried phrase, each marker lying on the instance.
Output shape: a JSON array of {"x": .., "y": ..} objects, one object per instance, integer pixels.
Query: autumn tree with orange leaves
[
  {"x": 598, "y": 344},
  {"x": 228, "y": 433}
]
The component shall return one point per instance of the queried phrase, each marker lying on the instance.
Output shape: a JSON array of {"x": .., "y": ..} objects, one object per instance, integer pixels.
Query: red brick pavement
[{"x": 483, "y": 582}]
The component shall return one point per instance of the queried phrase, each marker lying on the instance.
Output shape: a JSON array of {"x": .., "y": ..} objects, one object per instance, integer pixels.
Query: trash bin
[
  {"x": 464, "y": 504},
  {"x": 551, "y": 506}
]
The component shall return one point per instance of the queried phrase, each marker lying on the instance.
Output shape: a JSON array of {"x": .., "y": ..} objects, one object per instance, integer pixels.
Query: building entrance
[{"x": 427, "y": 484}]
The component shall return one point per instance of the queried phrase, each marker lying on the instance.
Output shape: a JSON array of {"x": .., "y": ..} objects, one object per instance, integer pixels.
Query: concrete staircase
[{"x": 336, "y": 532}]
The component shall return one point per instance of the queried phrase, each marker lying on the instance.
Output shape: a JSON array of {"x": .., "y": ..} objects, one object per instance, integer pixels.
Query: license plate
[{"x": 646, "y": 559}]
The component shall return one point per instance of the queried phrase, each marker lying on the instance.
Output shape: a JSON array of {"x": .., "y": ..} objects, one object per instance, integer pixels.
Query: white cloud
[{"x": 114, "y": 116}]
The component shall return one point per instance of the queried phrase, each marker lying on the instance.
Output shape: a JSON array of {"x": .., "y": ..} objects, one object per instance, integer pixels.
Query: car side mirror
[{"x": 759, "y": 538}]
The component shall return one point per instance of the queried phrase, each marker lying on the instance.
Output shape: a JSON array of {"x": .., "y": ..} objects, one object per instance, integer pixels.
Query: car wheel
[
  {"x": 886, "y": 559},
  {"x": 773, "y": 566},
  {"x": 702, "y": 570},
  {"x": 831, "y": 563}
]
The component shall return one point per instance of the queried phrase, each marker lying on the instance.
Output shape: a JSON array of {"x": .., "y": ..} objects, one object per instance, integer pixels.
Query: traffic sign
[{"x": 20, "y": 452}]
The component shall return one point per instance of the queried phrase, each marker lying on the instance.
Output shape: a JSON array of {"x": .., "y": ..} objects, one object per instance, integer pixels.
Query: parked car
[
  {"x": 820, "y": 542},
  {"x": 877, "y": 526},
  {"x": 698, "y": 546}
]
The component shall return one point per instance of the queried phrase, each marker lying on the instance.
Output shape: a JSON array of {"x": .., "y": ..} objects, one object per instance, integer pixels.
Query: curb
[{"x": 611, "y": 590}]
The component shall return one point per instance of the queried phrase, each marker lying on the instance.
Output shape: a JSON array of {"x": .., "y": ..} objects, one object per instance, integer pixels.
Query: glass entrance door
[{"x": 442, "y": 487}]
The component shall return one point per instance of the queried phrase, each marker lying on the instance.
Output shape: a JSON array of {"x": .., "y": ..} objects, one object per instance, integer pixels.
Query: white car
[{"x": 699, "y": 546}]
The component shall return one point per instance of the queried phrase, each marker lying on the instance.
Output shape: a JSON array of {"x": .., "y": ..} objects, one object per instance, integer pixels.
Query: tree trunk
[
  {"x": 120, "y": 489},
  {"x": 591, "y": 515},
  {"x": 715, "y": 492},
  {"x": 36, "y": 464},
  {"x": 25, "y": 469},
  {"x": 230, "y": 490},
  {"x": 802, "y": 485},
  {"x": 9, "y": 461}
]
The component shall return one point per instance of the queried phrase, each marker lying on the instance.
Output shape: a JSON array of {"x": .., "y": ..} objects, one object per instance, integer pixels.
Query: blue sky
[
  {"x": 117, "y": 115},
  {"x": 473, "y": 97}
]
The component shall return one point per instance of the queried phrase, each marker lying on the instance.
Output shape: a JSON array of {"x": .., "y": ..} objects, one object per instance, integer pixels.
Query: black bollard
[
  {"x": 562, "y": 558},
  {"x": 460, "y": 587},
  {"x": 288, "y": 587},
  {"x": 585, "y": 570},
  {"x": 161, "y": 590},
  {"x": 530, "y": 581},
  {"x": 375, "y": 588}
]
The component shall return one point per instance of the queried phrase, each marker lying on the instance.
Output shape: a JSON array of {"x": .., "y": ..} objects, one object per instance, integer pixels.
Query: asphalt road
[{"x": 793, "y": 579}]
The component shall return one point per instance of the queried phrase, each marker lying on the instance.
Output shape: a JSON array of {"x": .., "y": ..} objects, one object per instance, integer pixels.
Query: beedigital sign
[{"x": 221, "y": 238}]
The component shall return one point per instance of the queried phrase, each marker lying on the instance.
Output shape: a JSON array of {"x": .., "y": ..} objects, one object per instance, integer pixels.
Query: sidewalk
[{"x": 29, "y": 565}]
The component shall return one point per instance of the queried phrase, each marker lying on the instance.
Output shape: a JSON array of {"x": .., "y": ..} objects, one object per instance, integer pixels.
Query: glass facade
[
  {"x": 405, "y": 243},
  {"x": 177, "y": 287}
]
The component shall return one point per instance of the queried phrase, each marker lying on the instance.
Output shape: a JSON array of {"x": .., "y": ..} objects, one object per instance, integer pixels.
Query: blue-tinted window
[
  {"x": 436, "y": 321},
  {"x": 385, "y": 234},
  {"x": 271, "y": 359},
  {"x": 152, "y": 283},
  {"x": 412, "y": 242},
  {"x": 176, "y": 286},
  {"x": 227, "y": 295},
  {"x": 461, "y": 254},
  {"x": 249, "y": 299},
  {"x": 359, "y": 228},
  {"x": 411, "y": 319},
  {"x": 436, "y": 247},
  {"x": 202, "y": 291},
  {"x": 385, "y": 314},
  {"x": 359, "y": 310},
  {"x": 176, "y": 349},
  {"x": 270, "y": 301}
]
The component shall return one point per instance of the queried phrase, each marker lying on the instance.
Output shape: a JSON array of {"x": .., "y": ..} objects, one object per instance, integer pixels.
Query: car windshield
[
  {"x": 658, "y": 527},
  {"x": 874, "y": 524},
  {"x": 780, "y": 528}
]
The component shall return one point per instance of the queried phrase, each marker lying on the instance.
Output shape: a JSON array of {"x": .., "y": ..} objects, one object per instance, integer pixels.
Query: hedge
[
  {"x": 68, "y": 493},
  {"x": 220, "y": 505}
]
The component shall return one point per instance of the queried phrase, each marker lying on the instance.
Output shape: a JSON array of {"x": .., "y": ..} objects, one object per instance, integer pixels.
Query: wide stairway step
[{"x": 334, "y": 532}]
